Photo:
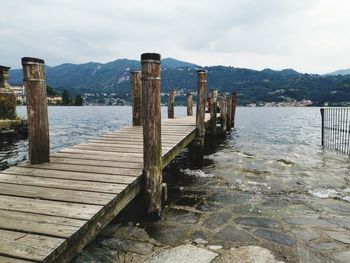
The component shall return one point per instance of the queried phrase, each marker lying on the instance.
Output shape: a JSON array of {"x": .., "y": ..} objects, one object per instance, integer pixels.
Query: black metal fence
[{"x": 336, "y": 129}]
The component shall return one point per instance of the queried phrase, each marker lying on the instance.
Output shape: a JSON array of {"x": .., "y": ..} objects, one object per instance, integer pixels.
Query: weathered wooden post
[
  {"x": 322, "y": 126},
  {"x": 223, "y": 114},
  {"x": 152, "y": 143},
  {"x": 38, "y": 124},
  {"x": 233, "y": 110},
  {"x": 189, "y": 105},
  {"x": 171, "y": 100},
  {"x": 7, "y": 97},
  {"x": 136, "y": 93},
  {"x": 229, "y": 112},
  {"x": 198, "y": 143},
  {"x": 213, "y": 112}
]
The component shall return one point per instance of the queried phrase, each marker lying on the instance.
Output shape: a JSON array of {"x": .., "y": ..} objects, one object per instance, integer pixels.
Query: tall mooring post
[
  {"x": 189, "y": 104},
  {"x": 152, "y": 143},
  {"x": 136, "y": 93},
  {"x": 322, "y": 126},
  {"x": 213, "y": 112},
  {"x": 233, "y": 109},
  {"x": 223, "y": 114},
  {"x": 229, "y": 112},
  {"x": 7, "y": 97},
  {"x": 38, "y": 124},
  {"x": 171, "y": 100},
  {"x": 4, "y": 77},
  {"x": 198, "y": 143}
]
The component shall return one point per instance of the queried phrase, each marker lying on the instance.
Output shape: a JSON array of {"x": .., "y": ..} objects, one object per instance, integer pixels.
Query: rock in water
[{"x": 184, "y": 254}]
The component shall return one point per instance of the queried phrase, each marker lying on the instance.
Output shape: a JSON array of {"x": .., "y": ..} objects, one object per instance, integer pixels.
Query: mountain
[
  {"x": 340, "y": 72},
  {"x": 252, "y": 86},
  {"x": 174, "y": 63}
]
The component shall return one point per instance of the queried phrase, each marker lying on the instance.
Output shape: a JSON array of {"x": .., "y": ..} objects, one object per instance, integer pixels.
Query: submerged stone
[
  {"x": 124, "y": 245},
  {"x": 215, "y": 220},
  {"x": 305, "y": 234},
  {"x": 343, "y": 256},
  {"x": 247, "y": 254},
  {"x": 328, "y": 245},
  {"x": 184, "y": 254},
  {"x": 258, "y": 222},
  {"x": 339, "y": 236},
  {"x": 230, "y": 233},
  {"x": 276, "y": 237}
]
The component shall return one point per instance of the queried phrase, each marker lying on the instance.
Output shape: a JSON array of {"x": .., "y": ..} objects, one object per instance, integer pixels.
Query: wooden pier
[{"x": 53, "y": 206}]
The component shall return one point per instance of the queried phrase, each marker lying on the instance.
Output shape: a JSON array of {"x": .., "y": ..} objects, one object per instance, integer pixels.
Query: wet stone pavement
[{"x": 207, "y": 219}]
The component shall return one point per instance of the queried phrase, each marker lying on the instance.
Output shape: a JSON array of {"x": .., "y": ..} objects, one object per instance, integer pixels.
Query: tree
[
  {"x": 50, "y": 91},
  {"x": 78, "y": 100},
  {"x": 66, "y": 100}
]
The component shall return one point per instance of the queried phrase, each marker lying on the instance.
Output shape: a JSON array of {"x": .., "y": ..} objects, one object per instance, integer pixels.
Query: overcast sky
[{"x": 307, "y": 35}]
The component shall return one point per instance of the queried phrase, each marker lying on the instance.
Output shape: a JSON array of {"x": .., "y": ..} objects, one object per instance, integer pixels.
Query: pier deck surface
[{"x": 50, "y": 211}]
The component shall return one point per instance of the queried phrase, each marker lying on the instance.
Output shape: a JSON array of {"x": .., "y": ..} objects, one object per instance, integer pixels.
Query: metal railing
[{"x": 336, "y": 129}]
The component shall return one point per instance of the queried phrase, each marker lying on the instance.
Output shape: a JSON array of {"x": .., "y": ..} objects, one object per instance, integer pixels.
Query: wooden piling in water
[
  {"x": 189, "y": 105},
  {"x": 322, "y": 126},
  {"x": 171, "y": 100},
  {"x": 136, "y": 93},
  {"x": 152, "y": 146},
  {"x": 198, "y": 143},
  {"x": 233, "y": 109},
  {"x": 229, "y": 112},
  {"x": 38, "y": 124},
  {"x": 223, "y": 114},
  {"x": 213, "y": 111}
]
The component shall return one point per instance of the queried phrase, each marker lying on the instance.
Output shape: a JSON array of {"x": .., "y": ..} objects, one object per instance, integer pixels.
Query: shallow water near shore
[{"x": 269, "y": 184}]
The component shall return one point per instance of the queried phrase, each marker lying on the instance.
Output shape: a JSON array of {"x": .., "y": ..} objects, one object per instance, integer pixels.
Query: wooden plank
[
  {"x": 126, "y": 143},
  {"x": 89, "y": 177},
  {"x": 113, "y": 149},
  {"x": 94, "y": 162},
  {"x": 130, "y": 156},
  {"x": 28, "y": 246},
  {"x": 86, "y": 169},
  {"x": 44, "y": 207},
  {"x": 138, "y": 146},
  {"x": 76, "y": 155},
  {"x": 73, "y": 196},
  {"x": 101, "y": 221},
  {"x": 13, "y": 260},
  {"x": 62, "y": 183},
  {"x": 39, "y": 224}
]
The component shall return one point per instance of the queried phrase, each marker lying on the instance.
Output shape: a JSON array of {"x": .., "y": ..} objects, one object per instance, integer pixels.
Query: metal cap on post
[
  {"x": 38, "y": 124},
  {"x": 152, "y": 144},
  {"x": 136, "y": 94}
]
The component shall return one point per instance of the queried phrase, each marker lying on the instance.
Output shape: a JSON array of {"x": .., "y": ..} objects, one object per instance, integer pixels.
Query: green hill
[{"x": 252, "y": 86}]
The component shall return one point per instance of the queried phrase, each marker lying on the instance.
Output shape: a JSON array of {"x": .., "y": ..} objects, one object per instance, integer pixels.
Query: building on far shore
[
  {"x": 19, "y": 91},
  {"x": 54, "y": 100}
]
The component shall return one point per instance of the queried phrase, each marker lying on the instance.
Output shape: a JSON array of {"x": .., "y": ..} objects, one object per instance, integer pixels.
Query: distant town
[{"x": 113, "y": 99}]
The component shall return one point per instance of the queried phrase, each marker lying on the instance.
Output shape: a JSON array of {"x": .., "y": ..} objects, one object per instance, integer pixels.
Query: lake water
[{"x": 270, "y": 176}]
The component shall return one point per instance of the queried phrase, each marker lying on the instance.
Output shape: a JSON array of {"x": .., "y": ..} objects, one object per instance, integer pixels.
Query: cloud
[{"x": 309, "y": 35}]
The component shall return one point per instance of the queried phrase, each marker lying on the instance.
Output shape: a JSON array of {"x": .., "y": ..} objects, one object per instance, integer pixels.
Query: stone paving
[{"x": 206, "y": 215}]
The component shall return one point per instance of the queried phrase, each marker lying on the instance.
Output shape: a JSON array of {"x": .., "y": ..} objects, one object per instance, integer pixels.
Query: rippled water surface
[
  {"x": 278, "y": 150},
  {"x": 70, "y": 126}
]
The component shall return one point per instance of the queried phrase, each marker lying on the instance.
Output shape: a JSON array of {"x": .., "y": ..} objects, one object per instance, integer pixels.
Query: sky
[{"x": 307, "y": 35}]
